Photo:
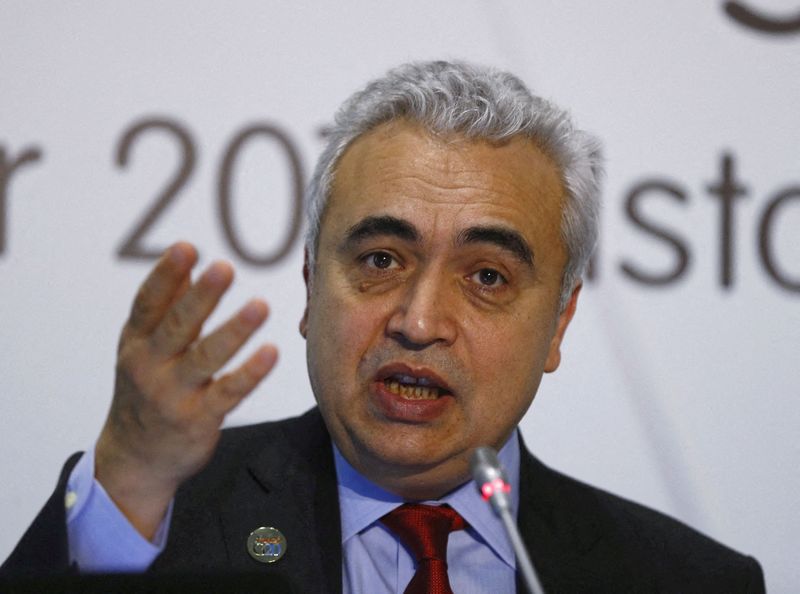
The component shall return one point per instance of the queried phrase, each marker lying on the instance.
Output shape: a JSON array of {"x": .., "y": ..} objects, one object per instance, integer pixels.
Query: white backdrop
[{"x": 679, "y": 382}]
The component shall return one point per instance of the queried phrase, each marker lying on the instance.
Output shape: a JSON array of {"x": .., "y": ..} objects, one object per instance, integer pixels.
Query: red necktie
[{"x": 424, "y": 529}]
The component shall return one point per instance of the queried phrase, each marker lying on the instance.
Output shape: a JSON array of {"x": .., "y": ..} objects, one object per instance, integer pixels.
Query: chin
[{"x": 410, "y": 472}]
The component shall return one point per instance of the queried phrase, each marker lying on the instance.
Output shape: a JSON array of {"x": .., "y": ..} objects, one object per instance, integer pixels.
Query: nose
[{"x": 424, "y": 314}]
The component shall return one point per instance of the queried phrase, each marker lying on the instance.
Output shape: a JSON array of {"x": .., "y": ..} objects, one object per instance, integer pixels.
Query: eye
[
  {"x": 489, "y": 277},
  {"x": 380, "y": 260}
]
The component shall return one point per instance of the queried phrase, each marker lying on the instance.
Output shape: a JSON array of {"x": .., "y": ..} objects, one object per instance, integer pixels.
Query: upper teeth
[
  {"x": 411, "y": 380},
  {"x": 412, "y": 392}
]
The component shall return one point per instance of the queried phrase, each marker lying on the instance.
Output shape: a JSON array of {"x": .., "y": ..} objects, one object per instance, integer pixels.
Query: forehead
[{"x": 447, "y": 182}]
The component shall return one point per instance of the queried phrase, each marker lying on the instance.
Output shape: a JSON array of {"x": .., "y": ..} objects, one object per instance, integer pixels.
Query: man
[{"x": 451, "y": 217}]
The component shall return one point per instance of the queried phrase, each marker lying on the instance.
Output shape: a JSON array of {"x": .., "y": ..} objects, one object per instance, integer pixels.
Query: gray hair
[{"x": 483, "y": 104}]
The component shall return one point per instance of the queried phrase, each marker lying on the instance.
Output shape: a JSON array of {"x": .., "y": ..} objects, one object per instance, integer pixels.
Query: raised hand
[{"x": 168, "y": 406}]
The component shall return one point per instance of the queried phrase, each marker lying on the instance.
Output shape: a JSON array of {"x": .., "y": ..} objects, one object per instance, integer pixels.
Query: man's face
[{"x": 433, "y": 307}]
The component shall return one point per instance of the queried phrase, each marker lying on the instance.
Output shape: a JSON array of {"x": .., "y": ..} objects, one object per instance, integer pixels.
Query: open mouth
[{"x": 414, "y": 388}]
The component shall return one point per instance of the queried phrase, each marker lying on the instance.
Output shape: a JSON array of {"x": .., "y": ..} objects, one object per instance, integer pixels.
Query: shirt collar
[{"x": 362, "y": 502}]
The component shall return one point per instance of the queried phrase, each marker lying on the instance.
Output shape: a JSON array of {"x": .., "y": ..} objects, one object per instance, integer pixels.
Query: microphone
[{"x": 492, "y": 482}]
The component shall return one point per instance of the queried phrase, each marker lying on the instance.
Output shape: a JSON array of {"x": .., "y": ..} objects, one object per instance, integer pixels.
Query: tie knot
[{"x": 424, "y": 529}]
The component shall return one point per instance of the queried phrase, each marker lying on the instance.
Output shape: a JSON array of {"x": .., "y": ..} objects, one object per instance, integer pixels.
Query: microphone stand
[{"x": 493, "y": 486}]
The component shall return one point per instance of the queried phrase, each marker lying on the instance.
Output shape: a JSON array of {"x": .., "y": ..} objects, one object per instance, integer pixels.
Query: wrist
[{"x": 139, "y": 492}]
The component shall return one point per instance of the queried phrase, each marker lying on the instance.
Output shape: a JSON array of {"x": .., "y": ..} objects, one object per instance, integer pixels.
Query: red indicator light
[
  {"x": 495, "y": 486},
  {"x": 487, "y": 490}
]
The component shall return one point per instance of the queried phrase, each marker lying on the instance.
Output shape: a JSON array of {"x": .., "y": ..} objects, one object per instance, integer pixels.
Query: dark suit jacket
[{"x": 281, "y": 474}]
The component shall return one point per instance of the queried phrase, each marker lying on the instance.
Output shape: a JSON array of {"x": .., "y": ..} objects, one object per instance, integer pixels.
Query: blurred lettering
[
  {"x": 132, "y": 246},
  {"x": 9, "y": 166},
  {"x": 633, "y": 208},
  {"x": 728, "y": 190},
  {"x": 225, "y": 197},
  {"x": 765, "y": 243}
]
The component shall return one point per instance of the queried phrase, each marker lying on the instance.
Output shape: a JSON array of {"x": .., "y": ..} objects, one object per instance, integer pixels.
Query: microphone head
[
  {"x": 490, "y": 478},
  {"x": 485, "y": 465}
]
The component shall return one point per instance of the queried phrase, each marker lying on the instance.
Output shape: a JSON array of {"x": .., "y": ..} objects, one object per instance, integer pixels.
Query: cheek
[
  {"x": 341, "y": 329},
  {"x": 513, "y": 354}
]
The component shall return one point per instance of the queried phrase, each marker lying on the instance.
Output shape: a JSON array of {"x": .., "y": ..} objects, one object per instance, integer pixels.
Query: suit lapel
[
  {"x": 292, "y": 480},
  {"x": 558, "y": 542},
  {"x": 278, "y": 474}
]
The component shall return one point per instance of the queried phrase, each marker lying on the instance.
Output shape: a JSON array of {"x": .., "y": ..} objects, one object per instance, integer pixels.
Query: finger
[
  {"x": 183, "y": 321},
  {"x": 208, "y": 356},
  {"x": 230, "y": 389},
  {"x": 159, "y": 289},
  {"x": 181, "y": 291}
]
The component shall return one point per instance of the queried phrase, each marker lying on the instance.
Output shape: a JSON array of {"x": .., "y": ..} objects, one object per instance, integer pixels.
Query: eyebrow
[
  {"x": 383, "y": 225},
  {"x": 503, "y": 237},
  {"x": 386, "y": 225}
]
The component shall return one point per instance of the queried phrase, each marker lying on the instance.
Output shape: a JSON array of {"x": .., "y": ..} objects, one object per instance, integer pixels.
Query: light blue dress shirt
[
  {"x": 480, "y": 558},
  {"x": 99, "y": 535}
]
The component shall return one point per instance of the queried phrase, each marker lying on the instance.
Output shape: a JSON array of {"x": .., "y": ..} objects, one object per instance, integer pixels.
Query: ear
[
  {"x": 554, "y": 355},
  {"x": 306, "y": 273}
]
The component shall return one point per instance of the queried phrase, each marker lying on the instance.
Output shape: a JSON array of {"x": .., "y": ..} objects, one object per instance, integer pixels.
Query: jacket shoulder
[
  {"x": 616, "y": 541},
  {"x": 294, "y": 441},
  {"x": 43, "y": 549}
]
